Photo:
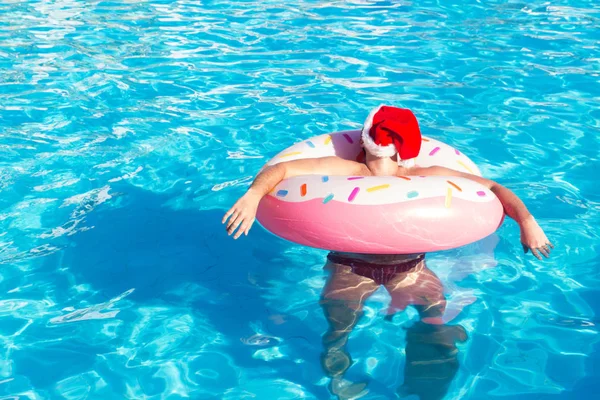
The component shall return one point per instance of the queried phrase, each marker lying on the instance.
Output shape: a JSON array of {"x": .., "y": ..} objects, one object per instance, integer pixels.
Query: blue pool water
[{"x": 127, "y": 128}]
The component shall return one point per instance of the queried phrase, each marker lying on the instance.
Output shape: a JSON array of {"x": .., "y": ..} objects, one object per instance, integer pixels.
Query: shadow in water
[{"x": 182, "y": 266}]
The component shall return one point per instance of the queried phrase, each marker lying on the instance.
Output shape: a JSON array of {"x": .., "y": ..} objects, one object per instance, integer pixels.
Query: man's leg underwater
[{"x": 342, "y": 302}]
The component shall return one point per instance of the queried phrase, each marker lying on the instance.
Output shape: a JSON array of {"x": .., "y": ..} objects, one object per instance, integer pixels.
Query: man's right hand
[{"x": 241, "y": 216}]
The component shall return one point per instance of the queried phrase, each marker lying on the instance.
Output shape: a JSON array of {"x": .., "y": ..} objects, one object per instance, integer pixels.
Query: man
[
  {"x": 431, "y": 352},
  {"x": 391, "y": 139}
]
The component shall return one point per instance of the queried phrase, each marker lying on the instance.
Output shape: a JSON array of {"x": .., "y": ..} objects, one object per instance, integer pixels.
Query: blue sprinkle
[
  {"x": 325, "y": 178},
  {"x": 282, "y": 193},
  {"x": 310, "y": 144},
  {"x": 412, "y": 194},
  {"x": 328, "y": 198}
]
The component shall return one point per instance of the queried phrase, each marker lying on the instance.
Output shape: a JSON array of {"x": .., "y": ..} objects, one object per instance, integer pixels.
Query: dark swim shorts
[{"x": 380, "y": 273}]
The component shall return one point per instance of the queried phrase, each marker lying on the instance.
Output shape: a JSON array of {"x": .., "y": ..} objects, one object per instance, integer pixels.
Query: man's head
[{"x": 390, "y": 137}]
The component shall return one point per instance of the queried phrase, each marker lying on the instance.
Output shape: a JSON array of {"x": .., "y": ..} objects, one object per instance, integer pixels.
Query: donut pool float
[{"x": 379, "y": 214}]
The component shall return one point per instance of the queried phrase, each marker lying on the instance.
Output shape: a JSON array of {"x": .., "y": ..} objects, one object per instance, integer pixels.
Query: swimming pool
[{"x": 128, "y": 128}]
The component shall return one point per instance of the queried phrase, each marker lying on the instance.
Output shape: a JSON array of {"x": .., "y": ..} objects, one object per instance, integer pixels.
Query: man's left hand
[{"x": 533, "y": 238}]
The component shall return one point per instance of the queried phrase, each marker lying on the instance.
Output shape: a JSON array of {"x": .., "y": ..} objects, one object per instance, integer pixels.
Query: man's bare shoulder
[
  {"x": 439, "y": 170},
  {"x": 423, "y": 171},
  {"x": 339, "y": 166},
  {"x": 327, "y": 166}
]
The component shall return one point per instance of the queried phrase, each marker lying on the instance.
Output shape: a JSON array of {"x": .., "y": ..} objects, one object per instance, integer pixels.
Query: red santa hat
[{"x": 391, "y": 130}]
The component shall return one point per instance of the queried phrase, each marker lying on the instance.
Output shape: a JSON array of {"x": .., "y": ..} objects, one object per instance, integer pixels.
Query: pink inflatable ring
[{"x": 379, "y": 214}]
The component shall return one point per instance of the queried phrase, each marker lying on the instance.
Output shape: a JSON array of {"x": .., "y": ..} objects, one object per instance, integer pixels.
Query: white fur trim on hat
[{"x": 368, "y": 142}]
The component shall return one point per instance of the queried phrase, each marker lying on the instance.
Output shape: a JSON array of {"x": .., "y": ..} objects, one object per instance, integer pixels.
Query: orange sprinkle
[
  {"x": 449, "y": 198},
  {"x": 293, "y": 153},
  {"x": 328, "y": 140},
  {"x": 303, "y": 190},
  {"x": 375, "y": 188},
  {"x": 425, "y": 140},
  {"x": 465, "y": 166},
  {"x": 404, "y": 177},
  {"x": 455, "y": 185}
]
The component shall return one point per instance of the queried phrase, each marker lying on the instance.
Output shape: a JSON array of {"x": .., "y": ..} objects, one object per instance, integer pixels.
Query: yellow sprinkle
[
  {"x": 293, "y": 153},
  {"x": 380, "y": 187},
  {"x": 449, "y": 198},
  {"x": 465, "y": 166},
  {"x": 328, "y": 140}
]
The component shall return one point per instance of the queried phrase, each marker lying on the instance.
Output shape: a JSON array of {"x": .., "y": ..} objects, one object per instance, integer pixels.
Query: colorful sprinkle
[
  {"x": 328, "y": 198},
  {"x": 353, "y": 178},
  {"x": 462, "y": 164},
  {"x": 376, "y": 188},
  {"x": 455, "y": 185},
  {"x": 425, "y": 140},
  {"x": 481, "y": 194},
  {"x": 327, "y": 140},
  {"x": 282, "y": 193},
  {"x": 449, "y": 198},
  {"x": 406, "y": 178},
  {"x": 457, "y": 152},
  {"x": 412, "y": 194},
  {"x": 348, "y": 138},
  {"x": 303, "y": 190},
  {"x": 310, "y": 144},
  {"x": 435, "y": 150},
  {"x": 325, "y": 178},
  {"x": 353, "y": 194},
  {"x": 293, "y": 153}
]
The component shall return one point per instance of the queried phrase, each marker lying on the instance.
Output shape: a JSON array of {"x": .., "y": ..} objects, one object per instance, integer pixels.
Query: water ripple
[{"x": 138, "y": 115}]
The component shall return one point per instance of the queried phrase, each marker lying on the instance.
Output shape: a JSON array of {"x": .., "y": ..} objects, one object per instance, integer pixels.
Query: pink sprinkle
[
  {"x": 353, "y": 194},
  {"x": 457, "y": 152},
  {"x": 353, "y": 178},
  {"x": 348, "y": 138},
  {"x": 481, "y": 194},
  {"x": 434, "y": 151}
]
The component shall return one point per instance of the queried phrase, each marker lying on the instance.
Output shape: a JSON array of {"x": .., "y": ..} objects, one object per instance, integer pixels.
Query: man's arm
[
  {"x": 532, "y": 236},
  {"x": 241, "y": 216}
]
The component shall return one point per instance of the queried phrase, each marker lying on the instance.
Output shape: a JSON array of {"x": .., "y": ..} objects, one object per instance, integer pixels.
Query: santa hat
[{"x": 390, "y": 130}]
